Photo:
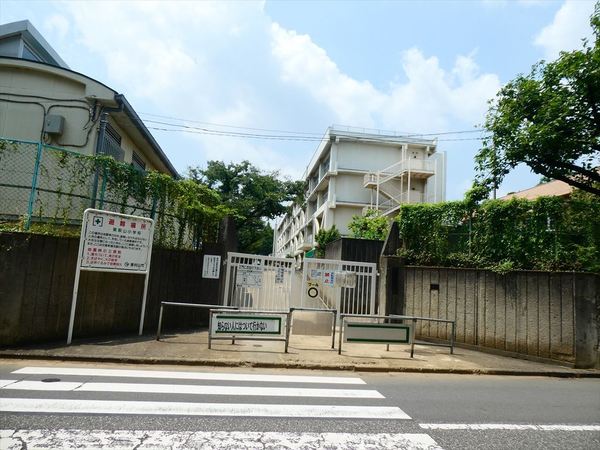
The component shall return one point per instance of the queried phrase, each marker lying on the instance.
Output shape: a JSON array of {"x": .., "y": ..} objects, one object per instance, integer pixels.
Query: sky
[{"x": 281, "y": 72}]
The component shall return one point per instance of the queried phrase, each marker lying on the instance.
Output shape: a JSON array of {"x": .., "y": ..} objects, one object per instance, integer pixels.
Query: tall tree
[
  {"x": 257, "y": 197},
  {"x": 549, "y": 120}
]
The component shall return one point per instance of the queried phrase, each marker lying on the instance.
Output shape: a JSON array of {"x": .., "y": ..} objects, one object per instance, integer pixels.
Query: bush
[
  {"x": 549, "y": 233},
  {"x": 370, "y": 226},
  {"x": 324, "y": 237}
]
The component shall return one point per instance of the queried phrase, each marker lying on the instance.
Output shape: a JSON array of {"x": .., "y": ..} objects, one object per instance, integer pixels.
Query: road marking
[
  {"x": 41, "y": 386},
  {"x": 124, "y": 439},
  {"x": 80, "y": 371},
  {"x": 6, "y": 382},
  {"x": 39, "y": 405},
  {"x": 507, "y": 426},
  {"x": 193, "y": 389}
]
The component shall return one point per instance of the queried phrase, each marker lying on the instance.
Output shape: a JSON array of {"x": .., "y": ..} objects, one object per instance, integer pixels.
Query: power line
[
  {"x": 230, "y": 126},
  {"x": 316, "y": 135},
  {"x": 205, "y": 131}
]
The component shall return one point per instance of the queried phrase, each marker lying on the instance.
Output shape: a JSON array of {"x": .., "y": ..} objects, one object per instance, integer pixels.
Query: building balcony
[{"x": 418, "y": 168}]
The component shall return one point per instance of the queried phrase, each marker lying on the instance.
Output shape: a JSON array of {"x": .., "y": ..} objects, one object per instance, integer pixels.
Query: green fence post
[
  {"x": 103, "y": 187},
  {"x": 34, "y": 179}
]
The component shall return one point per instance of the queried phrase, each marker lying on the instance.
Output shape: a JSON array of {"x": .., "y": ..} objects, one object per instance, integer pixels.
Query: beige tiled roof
[{"x": 554, "y": 188}]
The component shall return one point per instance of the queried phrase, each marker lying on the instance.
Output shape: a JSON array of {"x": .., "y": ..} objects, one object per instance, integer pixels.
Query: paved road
[{"x": 45, "y": 405}]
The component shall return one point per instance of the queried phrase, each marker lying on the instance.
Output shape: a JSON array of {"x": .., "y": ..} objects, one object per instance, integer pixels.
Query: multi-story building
[{"x": 354, "y": 170}]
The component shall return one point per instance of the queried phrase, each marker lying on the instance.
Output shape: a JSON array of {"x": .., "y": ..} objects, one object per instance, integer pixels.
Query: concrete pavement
[{"x": 306, "y": 352}]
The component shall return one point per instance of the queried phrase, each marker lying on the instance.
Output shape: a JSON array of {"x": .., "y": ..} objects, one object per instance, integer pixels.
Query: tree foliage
[
  {"x": 370, "y": 226},
  {"x": 255, "y": 196},
  {"x": 549, "y": 120},
  {"x": 324, "y": 237}
]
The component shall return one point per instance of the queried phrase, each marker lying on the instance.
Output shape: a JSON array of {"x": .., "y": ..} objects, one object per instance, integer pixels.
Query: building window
[
  {"x": 110, "y": 131},
  {"x": 112, "y": 144},
  {"x": 29, "y": 54},
  {"x": 137, "y": 162}
]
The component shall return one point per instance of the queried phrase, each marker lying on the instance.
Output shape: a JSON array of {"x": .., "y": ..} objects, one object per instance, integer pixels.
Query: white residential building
[{"x": 356, "y": 169}]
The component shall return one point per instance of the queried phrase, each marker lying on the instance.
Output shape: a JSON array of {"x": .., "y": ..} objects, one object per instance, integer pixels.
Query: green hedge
[{"x": 549, "y": 233}]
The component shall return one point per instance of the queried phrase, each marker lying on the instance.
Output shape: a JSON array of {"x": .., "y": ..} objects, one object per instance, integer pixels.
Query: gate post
[{"x": 34, "y": 182}]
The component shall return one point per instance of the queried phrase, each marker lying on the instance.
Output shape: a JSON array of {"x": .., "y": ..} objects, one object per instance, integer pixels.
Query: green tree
[
  {"x": 255, "y": 196},
  {"x": 324, "y": 237},
  {"x": 370, "y": 226},
  {"x": 548, "y": 120}
]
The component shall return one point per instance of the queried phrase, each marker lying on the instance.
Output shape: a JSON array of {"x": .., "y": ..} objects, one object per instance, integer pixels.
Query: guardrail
[
  {"x": 189, "y": 305},
  {"x": 411, "y": 340},
  {"x": 430, "y": 319},
  {"x": 332, "y": 311}
]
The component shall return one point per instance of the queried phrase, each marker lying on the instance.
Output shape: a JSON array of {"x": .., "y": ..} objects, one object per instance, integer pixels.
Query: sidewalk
[{"x": 305, "y": 352}]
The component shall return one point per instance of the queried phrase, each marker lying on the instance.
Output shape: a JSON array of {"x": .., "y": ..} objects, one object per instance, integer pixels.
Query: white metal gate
[
  {"x": 258, "y": 282},
  {"x": 347, "y": 286}
]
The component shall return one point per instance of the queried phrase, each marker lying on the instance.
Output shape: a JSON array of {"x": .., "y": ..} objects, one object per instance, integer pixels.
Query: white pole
[
  {"x": 146, "y": 278},
  {"x": 377, "y": 192},
  {"x": 73, "y": 304},
  {"x": 77, "y": 273},
  {"x": 227, "y": 275}
]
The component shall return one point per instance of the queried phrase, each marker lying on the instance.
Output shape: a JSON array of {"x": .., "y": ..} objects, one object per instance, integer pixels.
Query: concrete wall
[
  {"x": 552, "y": 315},
  {"x": 342, "y": 216},
  {"x": 366, "y": 156},
  {"x": 36, "y": 283}
]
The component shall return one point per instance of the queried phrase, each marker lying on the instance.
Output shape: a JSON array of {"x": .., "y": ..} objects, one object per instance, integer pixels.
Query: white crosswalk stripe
[
  {"x": 145, "y": 440},
  {"x": 199, "y": 409},
  {"x": 81, "y": 371},
  {"x": 152, "y": 407},
  {"x": 192, "y": 389},
  {"x": 35, "y": 390}
]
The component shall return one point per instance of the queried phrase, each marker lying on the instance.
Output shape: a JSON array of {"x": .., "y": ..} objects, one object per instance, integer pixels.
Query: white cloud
[
  {"x": 57, "y": 24},
  {"x": 228, "y": 62},
  {"x": 430, "y": 99},
  {"x": 306, "y": 64},
  {"x": 570, "y": 25}
]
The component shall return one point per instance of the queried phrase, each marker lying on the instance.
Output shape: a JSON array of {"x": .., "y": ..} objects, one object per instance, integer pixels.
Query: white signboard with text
[
  {"x": 211, "y": 266},
  {"x": 249, "y": 276},
  {"x": 254, "y": 325},
  {"x": 113, "y": 242}
]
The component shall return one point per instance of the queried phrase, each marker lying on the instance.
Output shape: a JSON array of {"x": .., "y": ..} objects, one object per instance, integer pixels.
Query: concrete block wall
[
  {"x": 36, "y": 283},
  {"x": 552, "y": 315}
]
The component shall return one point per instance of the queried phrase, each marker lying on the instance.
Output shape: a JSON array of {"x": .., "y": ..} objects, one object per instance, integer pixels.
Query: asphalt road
[{"x": 160, "y": 407}]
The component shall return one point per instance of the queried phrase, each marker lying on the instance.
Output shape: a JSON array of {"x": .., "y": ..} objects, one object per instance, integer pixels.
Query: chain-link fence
[{"x": 41, "y": 184}]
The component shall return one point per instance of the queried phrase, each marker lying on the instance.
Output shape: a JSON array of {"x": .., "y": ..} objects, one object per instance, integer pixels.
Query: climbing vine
[
  {"x": 186, "y": 213},
  {"x": 550, "y": 233}
]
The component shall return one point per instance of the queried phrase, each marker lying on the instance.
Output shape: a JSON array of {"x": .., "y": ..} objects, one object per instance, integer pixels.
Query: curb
[{"x": 292, "y": 365}]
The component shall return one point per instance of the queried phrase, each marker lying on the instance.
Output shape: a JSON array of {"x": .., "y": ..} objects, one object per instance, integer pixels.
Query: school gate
[{"x": 268, "y": 283}]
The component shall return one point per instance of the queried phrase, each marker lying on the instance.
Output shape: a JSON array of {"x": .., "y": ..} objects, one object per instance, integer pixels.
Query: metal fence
[
  {"x": 40, "y": 183},
  {"x": 347, "y": 286},
  {"x": 259, "y": 282}
]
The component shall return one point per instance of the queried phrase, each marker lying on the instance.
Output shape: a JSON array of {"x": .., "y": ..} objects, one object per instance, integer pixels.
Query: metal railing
[
  {"x": 188, "y": 305},
  {"x": 413, "y": 319},
  {"x": 430, "y": 319}
]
